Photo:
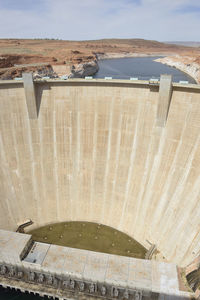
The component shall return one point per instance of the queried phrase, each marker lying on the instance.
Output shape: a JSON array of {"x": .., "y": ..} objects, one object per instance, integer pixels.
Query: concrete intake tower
[{"x": 121, "y": 153}]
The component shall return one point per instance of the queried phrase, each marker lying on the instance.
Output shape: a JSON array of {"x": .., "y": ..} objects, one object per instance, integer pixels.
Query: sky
[{"x": 162, "y": 20}]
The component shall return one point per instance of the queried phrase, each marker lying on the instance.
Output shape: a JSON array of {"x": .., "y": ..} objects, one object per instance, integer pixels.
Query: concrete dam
[{"x": 121, "y": 153}]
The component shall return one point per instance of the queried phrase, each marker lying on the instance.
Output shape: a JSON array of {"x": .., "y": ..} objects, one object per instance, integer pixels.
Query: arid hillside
[{"x": 56, "y": 57}]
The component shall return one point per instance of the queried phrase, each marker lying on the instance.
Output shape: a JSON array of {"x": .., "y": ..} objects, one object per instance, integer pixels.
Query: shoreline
[
  {"x": 127, "y": 55},
  {"x": 190, "y": 68}
]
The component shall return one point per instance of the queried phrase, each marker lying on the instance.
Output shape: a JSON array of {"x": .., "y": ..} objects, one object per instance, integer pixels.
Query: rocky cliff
[
  {"x": 84, "y": 69},
  {"x": 38, "y": 71},
  {"x": 187, "y": 64}
]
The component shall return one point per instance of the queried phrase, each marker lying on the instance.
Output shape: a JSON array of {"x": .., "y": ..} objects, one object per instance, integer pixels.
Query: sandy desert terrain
[{"x": 80, "y": 58}]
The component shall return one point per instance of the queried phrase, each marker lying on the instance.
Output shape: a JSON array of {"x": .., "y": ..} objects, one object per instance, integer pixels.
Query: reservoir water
[{"x": 143, "y": 68}]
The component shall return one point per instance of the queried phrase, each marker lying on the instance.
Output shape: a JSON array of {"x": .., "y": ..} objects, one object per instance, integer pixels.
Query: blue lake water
[{"x": 143, "y": 68}]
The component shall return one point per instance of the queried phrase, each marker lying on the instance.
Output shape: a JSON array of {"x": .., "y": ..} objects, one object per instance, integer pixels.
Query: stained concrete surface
[{"x": 95, "y": 154}]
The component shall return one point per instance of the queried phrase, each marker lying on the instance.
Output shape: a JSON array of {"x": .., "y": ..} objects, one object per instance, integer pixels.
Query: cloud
[
  {"x": 188, "y": 9},
  {"x": 24, "y": 5},
  {"x": 94, "y": 19}
]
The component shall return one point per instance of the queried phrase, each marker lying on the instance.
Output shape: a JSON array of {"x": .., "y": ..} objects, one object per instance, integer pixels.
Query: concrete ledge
[
  {"x": 99, "y": 81},
  {"x": 63, "y": 271}
]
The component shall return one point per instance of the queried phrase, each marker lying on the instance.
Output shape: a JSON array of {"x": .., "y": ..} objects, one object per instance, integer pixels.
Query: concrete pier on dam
[{"x": 125, "y": 154}]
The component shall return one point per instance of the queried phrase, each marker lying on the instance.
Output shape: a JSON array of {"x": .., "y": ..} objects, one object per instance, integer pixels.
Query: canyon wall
[
  {"x": 84, "y": 69},
  {"x": 189, "y": 65},
  {"x": 95, "y": 153}
]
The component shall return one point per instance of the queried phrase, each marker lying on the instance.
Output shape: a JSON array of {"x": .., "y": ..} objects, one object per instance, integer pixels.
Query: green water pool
[{"x": 89, "y": 236}]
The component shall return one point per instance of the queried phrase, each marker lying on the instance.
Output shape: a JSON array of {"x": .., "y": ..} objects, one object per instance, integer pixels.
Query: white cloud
[{"x": 93, "y": 19}]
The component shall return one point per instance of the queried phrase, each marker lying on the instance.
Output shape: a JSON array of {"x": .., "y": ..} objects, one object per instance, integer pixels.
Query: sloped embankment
[{"x": 186, "y": 64}]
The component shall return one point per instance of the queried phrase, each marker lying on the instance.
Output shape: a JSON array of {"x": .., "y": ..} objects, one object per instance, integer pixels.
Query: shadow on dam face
[{"x": 95, "y": 153}]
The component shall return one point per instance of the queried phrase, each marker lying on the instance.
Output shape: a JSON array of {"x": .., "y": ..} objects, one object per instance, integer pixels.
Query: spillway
[{"x": 111, "y": 152}]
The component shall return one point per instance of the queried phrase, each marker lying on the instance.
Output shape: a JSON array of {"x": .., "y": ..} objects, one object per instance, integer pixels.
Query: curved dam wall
[{"x": 95, "y": 153}]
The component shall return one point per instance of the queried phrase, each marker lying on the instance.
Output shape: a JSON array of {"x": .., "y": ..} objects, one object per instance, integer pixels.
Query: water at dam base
[
  {"x": 89, "y": 236},
  {"x": 143, "y": 68}
]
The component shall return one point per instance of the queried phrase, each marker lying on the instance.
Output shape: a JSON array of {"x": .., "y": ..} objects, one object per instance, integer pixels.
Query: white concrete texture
[
  {"x": 12, "y": 245},
  {"x": 149, "y": 277},
  {"x": 96, "y": 154}
]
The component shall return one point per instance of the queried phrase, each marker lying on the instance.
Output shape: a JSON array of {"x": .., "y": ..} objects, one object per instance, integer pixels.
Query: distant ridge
[{"x": 187, "y": 44}]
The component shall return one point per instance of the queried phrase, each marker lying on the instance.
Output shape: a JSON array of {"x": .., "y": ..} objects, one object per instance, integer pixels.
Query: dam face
[{"x": 97, "y": 152}]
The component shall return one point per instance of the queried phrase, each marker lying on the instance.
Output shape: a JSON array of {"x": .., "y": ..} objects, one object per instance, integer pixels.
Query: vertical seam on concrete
[
  {"x": 18, "y": 168},
  {"x": 93, "y": 165},
  {"x": 156, "y": 164},
  {"x": 142, "y": 204},
  {"x": 74, "y": 154},
  {"x": 131, "y": 166},
  {"x": 144, "y": 183},
  {"x": 116, "y": 165},
  {"x": 194, "y": 192},
  {"x": 12, "y": 188},
  {"x": 55, "y": 161},
  {"x": 148, "y": 190},
  {"x": 76, "y": 169},
  {"x": 141, "y": 197},
  {"x": 78, "y": 149},
  {"x": 145, "y": 179},
  {"x": 169, "y": 177},
  {"x": 78, "y": 140},
  {"x": 70, "y": 177},
  {"x": 107, "y": 161},
  {"x": 42, "y": 162},
  {"x": 33, "y": 167}
]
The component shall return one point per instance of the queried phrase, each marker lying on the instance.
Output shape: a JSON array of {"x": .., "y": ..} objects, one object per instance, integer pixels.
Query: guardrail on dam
[
  {"x": 68, "y": 273},
  {"x": 120, "y": 153}
]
